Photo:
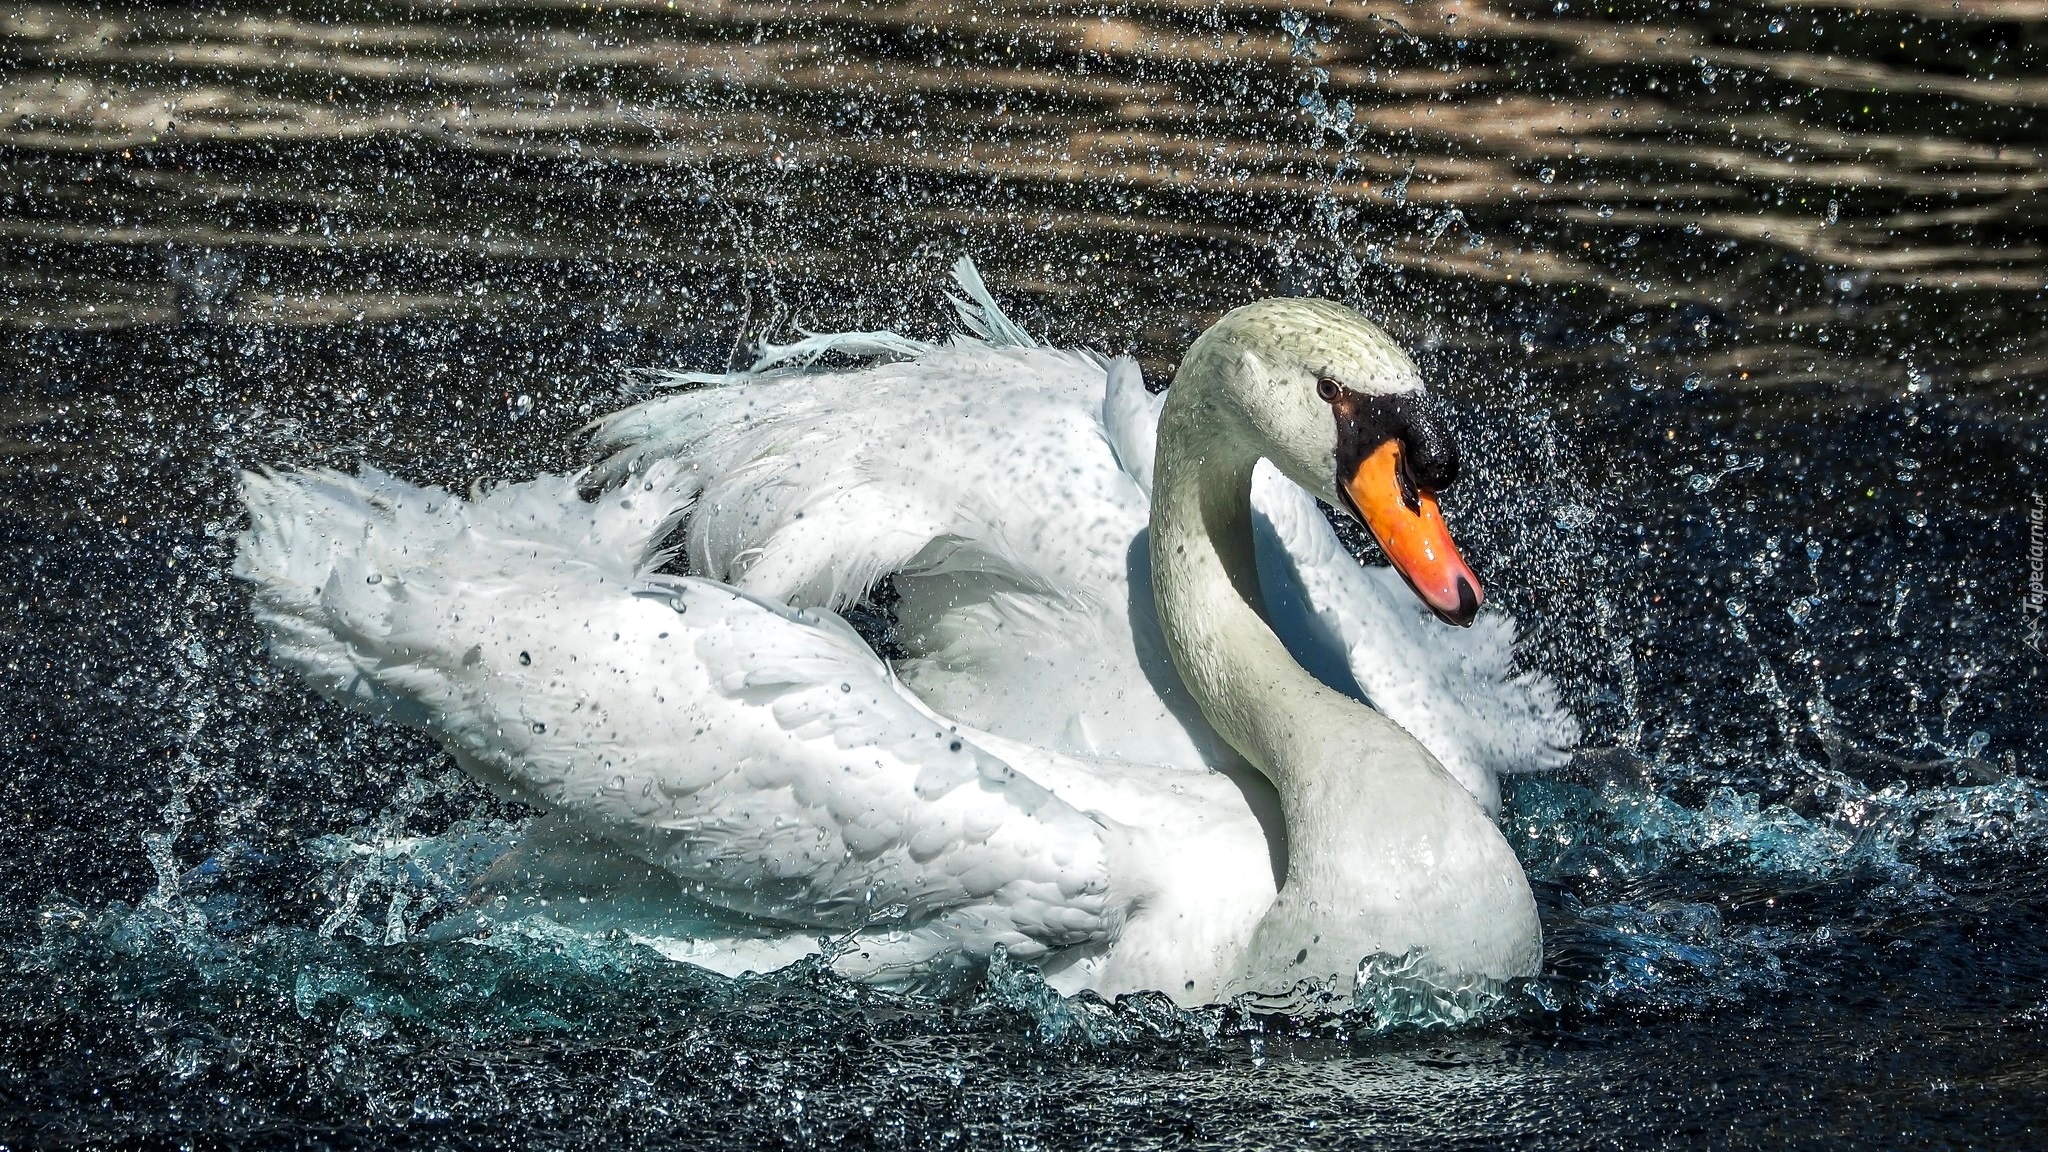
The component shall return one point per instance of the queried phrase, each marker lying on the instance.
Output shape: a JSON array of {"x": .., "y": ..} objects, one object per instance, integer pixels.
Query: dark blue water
[{"x": 1793, "y": 888}]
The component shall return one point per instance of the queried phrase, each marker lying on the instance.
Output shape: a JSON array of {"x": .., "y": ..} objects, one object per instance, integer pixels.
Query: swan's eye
[{"x": 1327, "y": 390}]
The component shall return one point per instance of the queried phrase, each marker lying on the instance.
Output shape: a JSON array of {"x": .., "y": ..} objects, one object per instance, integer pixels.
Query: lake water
[{"x": 1740, "y": 308}]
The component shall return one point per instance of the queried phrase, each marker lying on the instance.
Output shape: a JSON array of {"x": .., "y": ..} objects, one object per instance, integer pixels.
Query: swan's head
[{"x": 1339, "y": 407}]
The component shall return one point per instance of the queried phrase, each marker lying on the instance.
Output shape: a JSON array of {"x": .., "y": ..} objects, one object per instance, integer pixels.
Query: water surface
[{"x": 1740, "y": 306}]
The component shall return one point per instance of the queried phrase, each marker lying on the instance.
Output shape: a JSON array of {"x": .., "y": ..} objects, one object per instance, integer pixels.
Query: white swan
[{"x": 1037, "y": 773}]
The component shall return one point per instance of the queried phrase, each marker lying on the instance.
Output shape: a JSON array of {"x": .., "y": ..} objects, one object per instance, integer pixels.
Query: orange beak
[{"x": 1410, "y": 530}]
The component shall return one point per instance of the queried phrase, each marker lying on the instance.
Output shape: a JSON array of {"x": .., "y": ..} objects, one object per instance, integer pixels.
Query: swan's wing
[
  {"x": 990, "y": 453},
  {"x": 816, "y": 484},
  {"x": 998, "y": 481},
  {"x": 1007, "y": 485},
  {"x": 762, "y": 754},
  {"x": 1359, "y": 628}
]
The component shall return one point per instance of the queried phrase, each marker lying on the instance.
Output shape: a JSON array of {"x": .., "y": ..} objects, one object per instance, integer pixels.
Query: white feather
[
  {"x": 1006, "y": 487},
  {"x": 759, "y": 751},
  {"x": 1033, "y": 775}
]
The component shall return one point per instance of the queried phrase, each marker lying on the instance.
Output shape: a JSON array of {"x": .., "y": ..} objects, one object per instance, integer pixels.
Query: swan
[{"x": 1125, "y": 738}]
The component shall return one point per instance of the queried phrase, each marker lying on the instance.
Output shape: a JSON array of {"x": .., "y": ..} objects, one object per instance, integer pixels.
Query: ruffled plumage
[{"x": 1032, "y": 775}]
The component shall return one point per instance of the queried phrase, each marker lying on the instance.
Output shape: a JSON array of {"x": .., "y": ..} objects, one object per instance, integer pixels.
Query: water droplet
[
  {"x": 1737, "y": 607},
  {"x": 524, "y": 403},
  {"x": 525, "y": 658},
  {"x": 1917, "y": 518},
  {"x": 374, "y": 578},
  {"x": 539, "y": 727},
  {"x": 1775, "y": 26},
  {"x": 1801, "y": 610},
  {"x": 1979, "y": 741},
  {"x": 1607, "y": 211},
  {"x": 1572, "y": 517},
  {"x": 1699, "y": 482},
  {"x": 1547, "y": 175},
  {"x": 1527, "y": 341}
]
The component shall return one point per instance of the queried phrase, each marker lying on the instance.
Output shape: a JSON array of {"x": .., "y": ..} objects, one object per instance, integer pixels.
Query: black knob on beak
[{"x": 1429, "y": 454}]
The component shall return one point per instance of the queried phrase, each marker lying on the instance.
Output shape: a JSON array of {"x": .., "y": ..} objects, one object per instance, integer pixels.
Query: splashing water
[
  {"x": 1804, "y": 784},
  {"x": 1756, "y": 522}
]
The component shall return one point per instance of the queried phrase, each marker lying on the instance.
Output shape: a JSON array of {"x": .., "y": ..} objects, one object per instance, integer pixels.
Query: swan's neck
[
  {"x": 1206, "y": 583},
  {"x": 1386, "y": 851}
]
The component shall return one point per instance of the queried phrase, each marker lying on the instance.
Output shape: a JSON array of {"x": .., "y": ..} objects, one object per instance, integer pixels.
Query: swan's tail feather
[{"x": 360, "y": 581}]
